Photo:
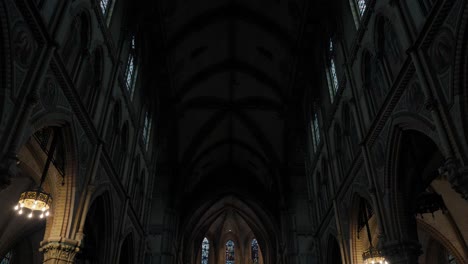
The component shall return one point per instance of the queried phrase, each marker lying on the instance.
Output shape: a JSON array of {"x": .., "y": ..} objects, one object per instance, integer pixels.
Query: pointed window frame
[
  {"x": 205, "y": 251},
  {"x": 131, "y": 68},
  {"x": 332, "y": 76},
  {"x": 230, "y": 252},
  {"x": 7, "y": 258},
  {"x": 146, "y": 132},
  {"x": 254, "y": 251},
  {"x": 315, "y": 129}
]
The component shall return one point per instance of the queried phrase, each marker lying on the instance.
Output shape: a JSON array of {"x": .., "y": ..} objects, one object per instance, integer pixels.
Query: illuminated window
[
  {"x": 147, "y": 129},
  {"x": 230, "y": 252},
  {"x": 451, "y": 259},
  {"x": 254, "y": 251},
  {"x": 205, "y": 251},
  {"x": 331, "y": 74},
  {"x": 315, "y": 131},
  {"x": 6, "y": 259},
  {"x": 104, "y": 4},
  {"x": 130, "y": 70},
  {"x": 361, "y": 6}
]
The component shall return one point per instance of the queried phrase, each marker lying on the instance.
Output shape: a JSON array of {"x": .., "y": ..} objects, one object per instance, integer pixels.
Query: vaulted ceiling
[{"x": 230, "y": 104}]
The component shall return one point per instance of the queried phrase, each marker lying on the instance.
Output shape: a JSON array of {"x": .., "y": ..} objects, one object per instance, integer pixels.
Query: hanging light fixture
[
  {"x": 428, "y": 203},
  {"x": 372, "y": 255},
  {"x": 37, "y": 201}
]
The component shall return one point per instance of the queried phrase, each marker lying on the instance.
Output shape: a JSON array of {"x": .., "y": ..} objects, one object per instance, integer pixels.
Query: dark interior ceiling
[{"x": 230, "y": 77}]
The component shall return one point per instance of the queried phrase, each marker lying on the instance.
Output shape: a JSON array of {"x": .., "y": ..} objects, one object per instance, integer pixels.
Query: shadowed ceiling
[{"x": 229, "y": 98}]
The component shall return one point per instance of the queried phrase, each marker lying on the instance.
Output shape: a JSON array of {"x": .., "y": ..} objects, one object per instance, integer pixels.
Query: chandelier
[
  {"x": 428, "y": 203},
  {"x": 37, "y": 201},
  {"x": 372, "y": 255}
]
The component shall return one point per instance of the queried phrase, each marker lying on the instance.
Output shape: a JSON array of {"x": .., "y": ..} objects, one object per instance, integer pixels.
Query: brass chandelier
[
  {"x": 37, "y": 201},
  {"x": 372, "y": 255}
]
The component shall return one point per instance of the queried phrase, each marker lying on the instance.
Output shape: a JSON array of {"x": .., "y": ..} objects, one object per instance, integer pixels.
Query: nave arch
[{"x": 230, "y": 218}]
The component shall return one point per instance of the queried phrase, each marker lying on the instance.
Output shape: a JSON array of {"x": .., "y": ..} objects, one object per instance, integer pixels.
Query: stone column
[{"x": 61, "y": 251}]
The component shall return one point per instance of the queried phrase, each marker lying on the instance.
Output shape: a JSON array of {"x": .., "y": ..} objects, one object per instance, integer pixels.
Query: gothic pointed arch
[
  {"x": 229, "y": 217},
  {"x": 127, "y": 250},
  {"x": 90, "y": 83},
  {"x": 77, "y": 41},
  {"x": 416, "y": 177},
  {"x": 97, "y": 240},
  {"x": 333, "y": 253},
  {"x": 61, "y": 182},
  {"x": 389, "y": 48}
]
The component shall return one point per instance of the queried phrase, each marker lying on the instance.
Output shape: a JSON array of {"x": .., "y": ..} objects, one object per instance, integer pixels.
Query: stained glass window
[
  {"x": 205, "y": 251},
  {"x": 451, "y": 259},
  {"x": 315, "y": 131},
  {"x": 104, "y": 4},
  {"x": 254, "y": 251},
  {"x": 230, "y": 252},
  {"x": 130, "y": 69},
  {"x": 332, "y": 76},
  {"x": 147, "y": 129},
  {"x": 6, "y": 259},
  {"x": 361, "y": 5}
]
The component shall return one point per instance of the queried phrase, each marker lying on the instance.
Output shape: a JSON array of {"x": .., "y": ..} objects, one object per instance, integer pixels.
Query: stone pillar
[
  {"x": 401, "y": 252},
  {"x": 61, "y": 251}
]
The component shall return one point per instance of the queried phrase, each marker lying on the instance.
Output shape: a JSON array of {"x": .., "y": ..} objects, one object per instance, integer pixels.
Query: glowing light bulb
[
  {"x": 43, "y": 209},
  {"x": 41, "y": 216},
  {"x": 20, "y": 211},
  {"x": 47, "y": 213},
  {"x": 30, "y": 215},
  {"x": 16, "y": 208},
  {"x": 21, "y": 205},
  {"x": 34, "y": 206}
]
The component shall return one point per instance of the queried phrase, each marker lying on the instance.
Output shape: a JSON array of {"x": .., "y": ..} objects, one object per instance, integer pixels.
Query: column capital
[{"x": 59, "y": 251}]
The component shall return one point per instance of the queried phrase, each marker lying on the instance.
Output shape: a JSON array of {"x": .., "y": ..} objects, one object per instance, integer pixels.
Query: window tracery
[
  {"x": 361, "y": 6},
  {"x": 7, "y": 258},
  {"x": 315, "y": 130},
  {"x": 254, "y": 251},
  {"x": 230, "y": 259},
  {"x": 104, "y": 4},
  {"x": 205, "y": 251},
  {"x": 332, "y": 75},
  {"x": 130, "y": 70},
  {"x": 146, "y": 129}
]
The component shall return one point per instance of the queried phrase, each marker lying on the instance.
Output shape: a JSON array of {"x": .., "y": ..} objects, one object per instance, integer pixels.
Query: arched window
[
  {"x": 230, "y": 252},
  {"x": 332, "y": 77},
  {"x": 147, "y": 129},
  {"x": 130, "y": 70},
  {"x": 254, "y": 251},
  {"x": 315, "y": 129},
  {"x": 141, "y": 193},
  {"x": 205, "y": 250},
  {"x": 120, "y": 151},
  {"x": 6, "y": 259},
  {"x": 105, "y": 4},
  {"x": 113, "y": 129},
  {"x": 361, "y": 6},
  {"x": 74, "y": 48}
]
